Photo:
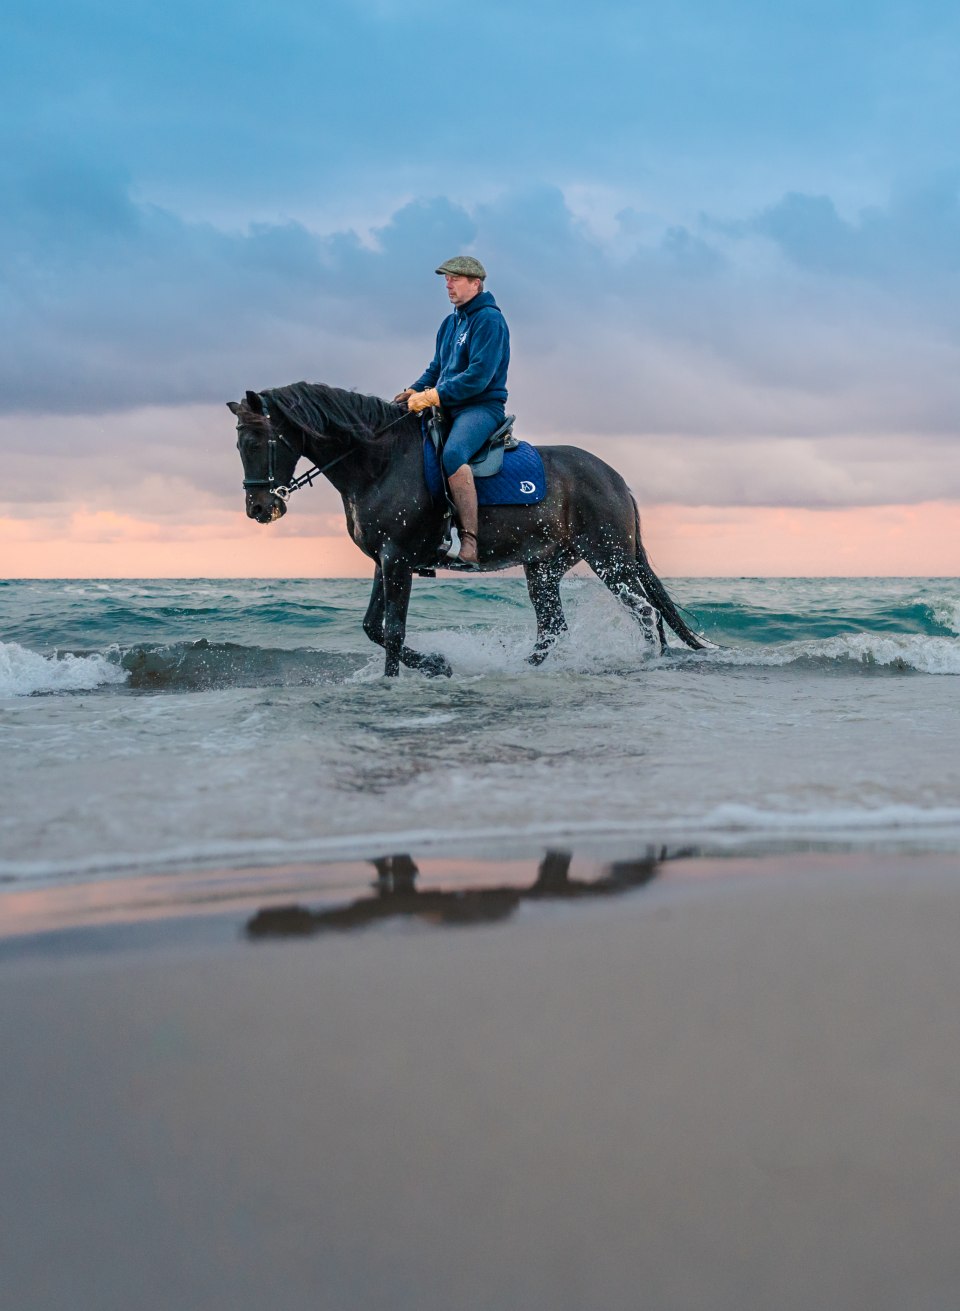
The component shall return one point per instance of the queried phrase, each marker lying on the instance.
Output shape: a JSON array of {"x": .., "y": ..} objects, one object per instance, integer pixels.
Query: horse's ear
[
  {"x": 233, "y": 407},
  {"x": 255, "y": 401}
]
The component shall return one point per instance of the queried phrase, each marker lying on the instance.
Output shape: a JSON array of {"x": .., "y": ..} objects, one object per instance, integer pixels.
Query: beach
[
  {"x": 604, "y": 955},
  {"x": 701, "y": 1082},
  {"x": 624, "y": 982}
]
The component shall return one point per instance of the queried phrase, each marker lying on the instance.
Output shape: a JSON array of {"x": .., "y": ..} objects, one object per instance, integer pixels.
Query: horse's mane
[{"x": 317, "y": 408}]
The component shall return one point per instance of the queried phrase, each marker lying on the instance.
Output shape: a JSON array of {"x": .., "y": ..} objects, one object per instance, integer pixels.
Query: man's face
[{"x": 460, "y": 288}]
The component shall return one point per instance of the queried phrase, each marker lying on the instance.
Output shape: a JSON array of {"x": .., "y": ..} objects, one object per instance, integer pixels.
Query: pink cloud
[{"x": 683, "y": 541}]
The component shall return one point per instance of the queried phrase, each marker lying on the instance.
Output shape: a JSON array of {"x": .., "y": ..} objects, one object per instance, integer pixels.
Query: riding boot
[{"x": 464, "y": 492}]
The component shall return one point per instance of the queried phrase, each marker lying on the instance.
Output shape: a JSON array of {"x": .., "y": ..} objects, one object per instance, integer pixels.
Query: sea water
[{"x": 174, "y": 725}]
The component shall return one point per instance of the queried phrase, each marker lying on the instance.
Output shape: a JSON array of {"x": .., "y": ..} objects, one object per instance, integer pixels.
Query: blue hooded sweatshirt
[{"x": 469, "y": 366}]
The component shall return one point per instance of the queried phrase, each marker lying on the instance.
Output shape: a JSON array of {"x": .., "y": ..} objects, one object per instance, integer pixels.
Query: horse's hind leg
[
  {"x": 622, "y": 577},
  {"x": 543, "y": 584}
]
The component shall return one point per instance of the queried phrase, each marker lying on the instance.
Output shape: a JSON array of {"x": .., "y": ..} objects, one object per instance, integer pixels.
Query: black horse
[{"x": 371, "y": 451}]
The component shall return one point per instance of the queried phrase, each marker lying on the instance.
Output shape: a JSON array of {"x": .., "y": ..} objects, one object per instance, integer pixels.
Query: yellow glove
[{"x": 422, "y": 400}]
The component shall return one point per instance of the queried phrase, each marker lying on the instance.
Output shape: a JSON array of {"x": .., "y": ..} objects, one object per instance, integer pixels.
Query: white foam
[
  {"x": 730, "y": 825},
  {"x": 947, "y": 613},
  {"x": 926, "y": 655},
  {"x": 851, "y": 821},
  {"x": 606, "y": 640},
  {"x": 24, "y": 672},
  {"x": 602, "y": 637}
]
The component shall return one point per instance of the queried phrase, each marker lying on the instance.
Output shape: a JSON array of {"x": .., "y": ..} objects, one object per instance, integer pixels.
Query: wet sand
[{"x": 732, "y": 1084}]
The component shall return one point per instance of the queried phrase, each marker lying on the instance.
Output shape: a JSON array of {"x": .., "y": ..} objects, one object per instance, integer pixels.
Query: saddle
[
  {"x": 488, "y": 461},
  {"x": 508, "y": 472}
]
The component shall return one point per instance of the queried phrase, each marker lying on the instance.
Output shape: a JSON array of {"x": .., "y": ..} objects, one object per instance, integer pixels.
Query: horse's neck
[{"x": 353, "y": 465}]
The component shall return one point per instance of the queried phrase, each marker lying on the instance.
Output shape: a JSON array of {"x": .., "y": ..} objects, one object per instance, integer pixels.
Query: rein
[{"x": 283, "y": 491}]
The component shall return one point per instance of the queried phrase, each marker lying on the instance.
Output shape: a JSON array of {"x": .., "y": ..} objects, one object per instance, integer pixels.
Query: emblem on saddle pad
[{"x": 528, "y": 488}]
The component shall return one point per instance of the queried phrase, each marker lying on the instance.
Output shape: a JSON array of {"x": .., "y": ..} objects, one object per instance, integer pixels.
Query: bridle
[{"x": 283, "y": 491}]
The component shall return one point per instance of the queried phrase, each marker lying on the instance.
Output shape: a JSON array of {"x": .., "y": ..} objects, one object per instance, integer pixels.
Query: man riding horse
[
  {"x": 371, "y": 455},
  {"x": 468, "y": 377}
]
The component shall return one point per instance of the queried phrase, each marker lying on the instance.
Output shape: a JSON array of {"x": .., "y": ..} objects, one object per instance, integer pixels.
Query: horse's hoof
[
  {"x": 435, "y": 666},
  {"x": 542, "y": 648}
]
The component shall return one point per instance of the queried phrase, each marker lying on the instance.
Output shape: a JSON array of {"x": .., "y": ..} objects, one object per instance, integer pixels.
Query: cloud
[
  {"x": 785, "y": 337},
  {"x": 172, "y": 465},
  {"x": 111, "y": 304},
  {"x": 727, "y": 241},
  {"x": 915, "y": 238},
  {"x": 297, "y": 99},
  {"x": 791, "y": 472}
]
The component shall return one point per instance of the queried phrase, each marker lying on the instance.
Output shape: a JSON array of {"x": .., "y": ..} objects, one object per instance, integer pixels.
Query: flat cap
[{"x": 465, "y": 265}]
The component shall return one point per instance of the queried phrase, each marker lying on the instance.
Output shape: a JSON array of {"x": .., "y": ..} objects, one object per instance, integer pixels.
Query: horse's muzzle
[{"x": 265, "y": 509}]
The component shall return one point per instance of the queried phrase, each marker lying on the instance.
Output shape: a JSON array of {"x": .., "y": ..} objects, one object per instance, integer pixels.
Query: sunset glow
[{"x": 683, "y": 541}]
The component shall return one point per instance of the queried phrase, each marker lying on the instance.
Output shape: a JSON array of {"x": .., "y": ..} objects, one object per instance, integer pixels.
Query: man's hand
[
  {"x": 402, "y": 396},
  {"x": 422, "y": 400}
]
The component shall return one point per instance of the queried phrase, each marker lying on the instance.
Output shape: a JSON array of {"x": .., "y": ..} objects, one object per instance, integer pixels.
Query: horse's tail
[{"x": 658, "y": 595}]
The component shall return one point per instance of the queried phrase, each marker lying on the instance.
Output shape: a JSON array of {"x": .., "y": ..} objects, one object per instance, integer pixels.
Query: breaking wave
[
  {"x": 26, "y": 673},
  {"x": 207, "y": 666},
  {"x": 184, "y": 637},
  {"x": 869, "y": 652}
]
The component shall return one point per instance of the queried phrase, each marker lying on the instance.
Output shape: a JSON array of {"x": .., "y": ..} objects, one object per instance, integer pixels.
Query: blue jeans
[{"x": 468, "y": 431}]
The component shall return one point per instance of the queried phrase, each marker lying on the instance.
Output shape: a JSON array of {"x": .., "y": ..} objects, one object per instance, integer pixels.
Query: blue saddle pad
[{"x": 521, "y": 481}]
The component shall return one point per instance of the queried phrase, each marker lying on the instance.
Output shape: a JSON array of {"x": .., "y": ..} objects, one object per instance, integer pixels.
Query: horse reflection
[{"x": 396, "y": 896}]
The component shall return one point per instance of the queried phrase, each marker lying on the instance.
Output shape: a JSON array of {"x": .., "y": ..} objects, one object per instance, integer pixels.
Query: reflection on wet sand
[{"x": 396, "y": 895}]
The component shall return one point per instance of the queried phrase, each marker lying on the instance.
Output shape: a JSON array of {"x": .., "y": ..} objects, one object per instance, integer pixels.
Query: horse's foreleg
[
  {"x": 373, "y": 619},
  {"x": 543, "y": 585},
  {"x": 395, "y": 577}
]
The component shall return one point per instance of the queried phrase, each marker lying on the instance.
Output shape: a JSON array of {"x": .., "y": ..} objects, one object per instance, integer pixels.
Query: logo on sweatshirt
[{"x": 462, "y": 338}]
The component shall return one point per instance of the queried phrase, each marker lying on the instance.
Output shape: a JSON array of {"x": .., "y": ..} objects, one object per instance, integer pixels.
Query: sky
[{"x": 725, "y": 235}]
